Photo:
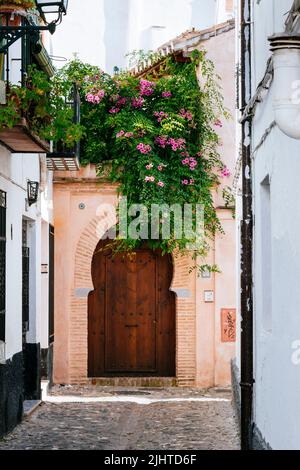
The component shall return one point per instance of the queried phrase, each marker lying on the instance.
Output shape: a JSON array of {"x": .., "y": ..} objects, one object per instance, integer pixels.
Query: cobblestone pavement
[{"x": 185, "y": 424}]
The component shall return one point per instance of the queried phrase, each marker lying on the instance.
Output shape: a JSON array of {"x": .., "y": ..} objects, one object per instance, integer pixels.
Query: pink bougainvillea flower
[
  {"x": 161, "y": 184},
  {"x": 89, "y": 97},
  {"x": 121, "y": 102},
  {"x": 193, "y": 163},
  {"x": 186, "y": 114},
  {"x": 137, "y": 102},
  {"x": 226, "y": 172},
  {"x": 161, "y": 140},
  {"x": 218, "y": 123},
  {"x": 185, "y": 161},
  {"x": 166, "y": 94},
  {"x": 185, "y": 182},
  {"x": 95, "y": 97},
  {"x": 160, "y": 167},
  {"x": 160, "y": 116},
  {"x": 177, "y": 144},
  {"x": 146, "y": 87},
  {"x": 120, "y": 134},
  {"x": 114, "y": 110},
  {"x": 145, "y": 149},
  {"x": 149, "y": 167},
  {"x": 192, "y": 182},
  {"x": 150, "y": 179},
  {"x": 128, "y": 135}
]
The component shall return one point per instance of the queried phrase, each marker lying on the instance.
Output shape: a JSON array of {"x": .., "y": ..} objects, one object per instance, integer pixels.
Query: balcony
[
  {"x": 63, "y": 158},
  {"x": 20, "y": 139},
  {"x": 33, "y": 107}
]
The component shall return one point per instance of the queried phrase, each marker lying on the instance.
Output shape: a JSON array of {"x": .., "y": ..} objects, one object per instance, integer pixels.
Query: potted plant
[{"x": 12, "y": 8}]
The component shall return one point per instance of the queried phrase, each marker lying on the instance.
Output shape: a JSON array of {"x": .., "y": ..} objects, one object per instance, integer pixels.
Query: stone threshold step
[
  {"x": 153, "y": 382},
  {"x": 29, "y": 407}
]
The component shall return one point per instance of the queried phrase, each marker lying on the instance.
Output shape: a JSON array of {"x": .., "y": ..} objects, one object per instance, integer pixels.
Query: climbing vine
[{"x": 160, "y": 133}]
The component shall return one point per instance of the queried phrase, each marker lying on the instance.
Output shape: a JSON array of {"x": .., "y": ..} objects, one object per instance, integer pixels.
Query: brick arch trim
[
  {"x": 183, "y": 285},
  {"x": 86, "y": 246}
]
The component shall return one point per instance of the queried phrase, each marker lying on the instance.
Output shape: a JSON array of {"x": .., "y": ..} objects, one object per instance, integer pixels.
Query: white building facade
[
  {"x": 26, "y": 269},
  {"x": 107, "y": 30},
  {"x": 276, "y": 220}
]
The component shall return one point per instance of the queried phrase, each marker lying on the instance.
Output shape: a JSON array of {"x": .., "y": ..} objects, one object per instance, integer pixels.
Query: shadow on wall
[{"x": 116, "y": 32}]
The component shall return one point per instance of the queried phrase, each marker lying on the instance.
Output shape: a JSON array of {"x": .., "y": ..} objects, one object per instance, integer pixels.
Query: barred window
[{"x": 2, "y": 263}]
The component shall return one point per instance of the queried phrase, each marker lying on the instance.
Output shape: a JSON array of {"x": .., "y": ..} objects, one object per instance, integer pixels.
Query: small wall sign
[
  {"x": 228, "y": 325},
  {"x": 44, "y": 269},
  {"x": 209, "y": 296}
]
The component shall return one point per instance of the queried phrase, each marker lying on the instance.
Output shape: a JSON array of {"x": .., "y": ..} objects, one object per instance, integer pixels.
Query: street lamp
[
  {"x": 32, "y": 192},
  {"x": 58, "y": 7},
  {"x": 10, "y": 34}
]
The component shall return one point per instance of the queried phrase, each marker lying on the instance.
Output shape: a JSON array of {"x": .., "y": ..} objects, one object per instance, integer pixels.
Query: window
[{"x": 2, "y": 263}]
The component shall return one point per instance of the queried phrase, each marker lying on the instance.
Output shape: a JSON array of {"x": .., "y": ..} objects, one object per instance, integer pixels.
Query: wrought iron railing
[{"x": 62, "y": 157}]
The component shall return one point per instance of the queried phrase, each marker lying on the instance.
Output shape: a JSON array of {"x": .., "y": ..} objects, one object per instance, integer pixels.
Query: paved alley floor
[{"x": 83, "y": 418}]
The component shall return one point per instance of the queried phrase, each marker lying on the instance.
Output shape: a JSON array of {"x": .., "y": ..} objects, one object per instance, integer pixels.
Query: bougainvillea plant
[{"x": 161, "y": 134}]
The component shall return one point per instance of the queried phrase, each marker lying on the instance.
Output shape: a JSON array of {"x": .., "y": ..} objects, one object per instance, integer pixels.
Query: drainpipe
[{"x": 247, "y": 380}]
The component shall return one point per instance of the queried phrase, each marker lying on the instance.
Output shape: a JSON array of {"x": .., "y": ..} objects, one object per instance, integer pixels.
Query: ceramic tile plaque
[{"x": 228, "y": 325}]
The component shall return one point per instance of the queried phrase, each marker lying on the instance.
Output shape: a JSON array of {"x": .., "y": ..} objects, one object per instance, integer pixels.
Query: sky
[{"x": 102, "y": 32}]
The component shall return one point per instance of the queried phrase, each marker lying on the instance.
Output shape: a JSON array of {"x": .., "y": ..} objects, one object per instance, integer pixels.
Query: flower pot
[{"x": 14, "y": 19}]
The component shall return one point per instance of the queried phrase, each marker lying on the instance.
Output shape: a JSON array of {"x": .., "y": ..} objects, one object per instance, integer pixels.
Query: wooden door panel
[
  {"x": 166, "y": 327},
  {"x": 131, "y": 315},
  {"x": 146, "y": 311}
]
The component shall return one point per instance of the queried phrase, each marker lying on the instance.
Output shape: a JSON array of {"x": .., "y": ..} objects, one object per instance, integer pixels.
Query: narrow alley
[{"x": 127, "y": 419}]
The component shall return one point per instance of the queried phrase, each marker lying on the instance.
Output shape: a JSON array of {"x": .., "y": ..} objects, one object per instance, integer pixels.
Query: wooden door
[{"x": 131, "y": 315}]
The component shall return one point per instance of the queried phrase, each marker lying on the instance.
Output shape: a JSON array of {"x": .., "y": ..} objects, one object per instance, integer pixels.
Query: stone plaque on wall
[{"x": 228, "y": 325}]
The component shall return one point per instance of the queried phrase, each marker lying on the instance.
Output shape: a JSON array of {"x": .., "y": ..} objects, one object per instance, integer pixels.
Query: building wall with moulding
[{"x": 15, "y": 171}]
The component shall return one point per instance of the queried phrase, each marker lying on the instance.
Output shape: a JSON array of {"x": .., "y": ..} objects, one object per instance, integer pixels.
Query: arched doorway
[{"x": 131, "y": 314}]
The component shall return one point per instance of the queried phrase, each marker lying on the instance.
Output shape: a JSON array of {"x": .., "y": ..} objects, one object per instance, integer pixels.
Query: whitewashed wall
[
  {"x": 105, "y": 30},
  {"x": 276, "y": 254},
  {"x": 15, "y": 170}
]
